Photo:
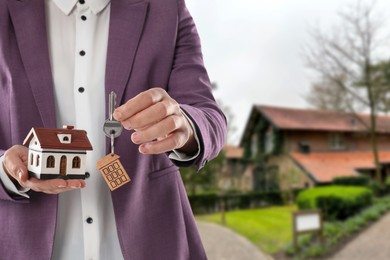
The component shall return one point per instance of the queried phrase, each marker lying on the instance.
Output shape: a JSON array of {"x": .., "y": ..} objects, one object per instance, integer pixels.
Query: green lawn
[{"x": 268, "y": 228}]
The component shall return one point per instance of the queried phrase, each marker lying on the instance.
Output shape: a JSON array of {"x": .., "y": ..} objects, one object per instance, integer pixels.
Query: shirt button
[
  {"x": 89, "y": 220},
  {"x": 82, "y": 53},
  {"x": 82, "y": 2},
  {"x": 83, "y": 17},
  {"x": 87, "y": 175},
  {"x": 81, "y": 89}
]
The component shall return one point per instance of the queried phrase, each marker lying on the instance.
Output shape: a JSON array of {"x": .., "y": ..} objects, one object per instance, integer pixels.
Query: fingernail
[
  {"x": 61, "y": 186},
  {"x": 127, "y": 125},
  {"x": 143, "y": 148},
  {"x": 74, "y": 187},
  {"x": 20, "y": 174},
  {"x": 136, "y": 138},
  {"x": 117, "y": 115}
]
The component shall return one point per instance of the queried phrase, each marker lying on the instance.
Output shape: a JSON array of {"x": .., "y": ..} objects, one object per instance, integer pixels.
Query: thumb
[
  {"x": 22, "y": 175},
  {"x": 15, "y": 165}
]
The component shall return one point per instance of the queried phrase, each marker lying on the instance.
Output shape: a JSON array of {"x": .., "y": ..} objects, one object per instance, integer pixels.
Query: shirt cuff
[
  {"x": 9, "y": 185},
  {"x": 179, "y": 156}
]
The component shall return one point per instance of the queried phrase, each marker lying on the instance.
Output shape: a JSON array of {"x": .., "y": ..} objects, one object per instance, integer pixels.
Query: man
[{"x": 59, "y": 59}]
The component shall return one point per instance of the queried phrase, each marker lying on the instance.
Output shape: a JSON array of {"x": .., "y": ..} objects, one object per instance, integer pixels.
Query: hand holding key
[
  {"x": 158, "y": 122},
  {"x": 110, "y": 166}
]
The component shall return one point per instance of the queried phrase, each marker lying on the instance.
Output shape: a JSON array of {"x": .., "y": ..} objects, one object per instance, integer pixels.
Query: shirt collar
[{"x": 66, "y": 6}]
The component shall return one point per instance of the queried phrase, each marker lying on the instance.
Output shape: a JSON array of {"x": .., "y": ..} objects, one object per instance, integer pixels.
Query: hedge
[
  {"x": 212, "y": 202},
  {"x": 337, "y": 231},
  {"x": 335, "y": 202}
]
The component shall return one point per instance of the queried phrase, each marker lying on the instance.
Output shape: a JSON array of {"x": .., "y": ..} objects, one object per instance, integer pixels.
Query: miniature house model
[{"x": 57, "y": 153}]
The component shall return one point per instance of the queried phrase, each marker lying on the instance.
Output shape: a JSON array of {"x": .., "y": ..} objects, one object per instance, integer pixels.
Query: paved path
[
  {"x": 223, "y": 244},
  {"x": 374, "y": 243}
]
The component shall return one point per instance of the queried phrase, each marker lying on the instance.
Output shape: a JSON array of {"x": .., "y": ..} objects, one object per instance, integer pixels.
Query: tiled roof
[
  {"x": 48, "y": 139},
  {"x": 233, "y": 152},
  {"x": 324, "y": 167},
  {"x": 306, "y": 119}
]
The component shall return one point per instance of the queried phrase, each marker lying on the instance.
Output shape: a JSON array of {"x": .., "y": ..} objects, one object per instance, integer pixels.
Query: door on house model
[{"x": 63, "y": 166}]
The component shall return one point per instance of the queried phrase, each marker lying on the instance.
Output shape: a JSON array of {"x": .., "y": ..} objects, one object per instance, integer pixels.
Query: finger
[
  {"x": 139, "y": 103},
  {"x": 152, "y": 114},
  {"x": 55, "y": 184},
  {"x": 58, "y": 191},
  {"x": 15, "y": 163},
  {"x": 171, "y": 142},
  {"x": 158, "y": 130}
]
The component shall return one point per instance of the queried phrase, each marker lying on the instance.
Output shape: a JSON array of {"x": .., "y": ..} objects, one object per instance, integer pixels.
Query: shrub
[
  {"x": 335, "y": 231},
  {"x": 211, "y": 202},
  {"x": 335, "y": 202},
  {"x": 352, "y": 181}
]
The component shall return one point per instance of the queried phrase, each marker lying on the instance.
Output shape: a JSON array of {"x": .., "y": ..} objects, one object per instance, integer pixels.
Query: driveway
[
  {"x": 223, "y": 244},
  {"x": 373, "y": 243}
]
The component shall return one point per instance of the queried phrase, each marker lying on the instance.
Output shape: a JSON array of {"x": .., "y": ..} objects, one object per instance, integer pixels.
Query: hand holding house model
[{"x": 57, "y": 153}]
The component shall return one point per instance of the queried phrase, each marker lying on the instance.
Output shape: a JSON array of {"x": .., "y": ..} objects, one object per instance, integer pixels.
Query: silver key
[{"x": 112, "y": 128}]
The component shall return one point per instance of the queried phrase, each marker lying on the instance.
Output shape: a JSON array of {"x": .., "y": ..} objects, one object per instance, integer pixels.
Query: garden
[{"x": 348, "y": 206}]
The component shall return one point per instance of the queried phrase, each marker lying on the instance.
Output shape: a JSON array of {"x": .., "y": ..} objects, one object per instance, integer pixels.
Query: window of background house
[
  {"x": 254, "y": 145},
  {"x": 269, "y": 140},
  {"x": 336, "y": 141}
]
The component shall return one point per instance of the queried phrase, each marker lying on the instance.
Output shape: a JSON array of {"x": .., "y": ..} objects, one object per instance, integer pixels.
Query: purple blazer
[{"x": 152, "y": 43}]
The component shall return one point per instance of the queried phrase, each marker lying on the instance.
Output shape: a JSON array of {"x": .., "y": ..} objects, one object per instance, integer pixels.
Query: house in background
[
  {"x": 285, "y": 148},
  {"x": 57, "y": 153},
  {"x": 231, "y": 177}
]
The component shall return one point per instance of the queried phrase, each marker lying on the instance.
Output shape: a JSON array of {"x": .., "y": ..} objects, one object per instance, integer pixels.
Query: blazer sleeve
[
  {"x": 190, "y": 86},
  {"x": 4, "y": 194}
]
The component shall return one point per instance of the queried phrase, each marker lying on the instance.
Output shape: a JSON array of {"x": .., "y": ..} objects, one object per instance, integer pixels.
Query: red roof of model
[
  {"x": 324, "y": 167},
  {"x": 307, "y": 119},
  {"x": 48, "y": 139}
]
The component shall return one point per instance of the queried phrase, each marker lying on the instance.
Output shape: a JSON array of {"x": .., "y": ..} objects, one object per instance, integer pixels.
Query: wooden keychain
[{"x": 110, "y": 166}]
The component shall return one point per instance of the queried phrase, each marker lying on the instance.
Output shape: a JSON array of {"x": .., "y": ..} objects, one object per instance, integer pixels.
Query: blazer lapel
[
  {"x": 28, "y": 18},
  {"x": 127, "y": 20}
]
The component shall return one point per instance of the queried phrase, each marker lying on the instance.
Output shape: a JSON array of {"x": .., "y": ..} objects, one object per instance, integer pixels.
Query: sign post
[{"x": 306, "y": 221}]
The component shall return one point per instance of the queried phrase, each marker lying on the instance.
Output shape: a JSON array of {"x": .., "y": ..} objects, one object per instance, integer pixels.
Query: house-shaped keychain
[
  {"x": 113, "y": 172},
  {"x": 57, "y": 153}
]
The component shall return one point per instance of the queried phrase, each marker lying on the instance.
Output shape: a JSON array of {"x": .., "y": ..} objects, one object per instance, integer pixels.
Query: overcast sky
[{"x": 252, "y": 48}]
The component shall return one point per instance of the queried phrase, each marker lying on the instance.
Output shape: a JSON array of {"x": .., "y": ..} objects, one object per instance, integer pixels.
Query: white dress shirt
[{"x": 78, "y": 38}]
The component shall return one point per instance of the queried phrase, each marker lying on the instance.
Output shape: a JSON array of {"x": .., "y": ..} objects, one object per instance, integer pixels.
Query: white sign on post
[{"x": 308, "y": 222}]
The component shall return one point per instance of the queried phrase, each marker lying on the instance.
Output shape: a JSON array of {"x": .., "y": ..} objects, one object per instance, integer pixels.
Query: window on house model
[
  {"x": 336, "y": 141},
  {"x": 50, "y": 162},
  {"x": 37, "y": 163},
  {"x": 76, "y": 162},
  {"x": 32, "y": 159}
]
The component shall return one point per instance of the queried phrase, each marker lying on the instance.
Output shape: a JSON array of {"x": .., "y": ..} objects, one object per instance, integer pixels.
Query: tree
[
  {"x": 325, "y": 94},
  {"x": 204, "y": 180},
  {"x": 349, "y": 59},
  {"x": 232, "y": 129},
  {"x": 381, "y": 76}
]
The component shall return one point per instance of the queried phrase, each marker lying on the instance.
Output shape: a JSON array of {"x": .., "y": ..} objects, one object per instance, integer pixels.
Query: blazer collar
[
  {"x": 28, "y": 18},
  {"x": 127, "y": 21}
]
